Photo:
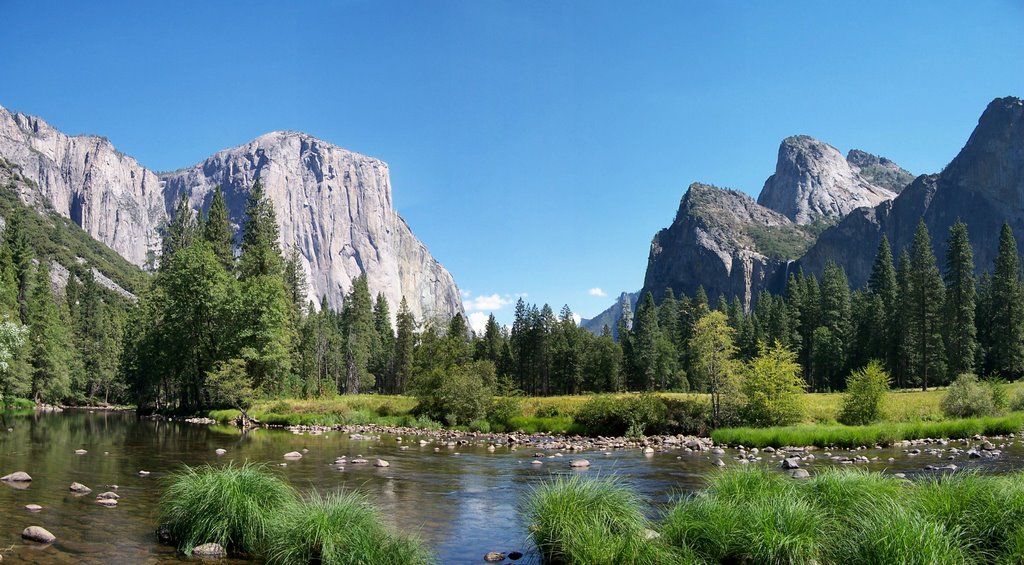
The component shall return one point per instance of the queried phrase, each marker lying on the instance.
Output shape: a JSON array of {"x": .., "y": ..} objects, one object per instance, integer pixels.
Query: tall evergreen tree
[
  {"x": 835, "y": 315},
  {"x": 925, "y": 303},
  {"x": 261, "y": 251},
  {"x": 48, "y": 355},
  {"x": 1007, "y": 350},
  {"x": 181, "y": 232},
  {"x": 382, "y": 360},
  {"x": 405, "y": 340},
  {"x": 961, "y": 303},
  {"x": 883, "y": 285},
  {"x": 217, "y": 230},
  {"x": 359, "y": 331},
  {"x": 643, "y": 362}
]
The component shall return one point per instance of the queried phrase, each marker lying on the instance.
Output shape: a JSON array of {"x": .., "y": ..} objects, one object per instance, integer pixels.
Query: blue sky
[{"x": 535, "y": 147}]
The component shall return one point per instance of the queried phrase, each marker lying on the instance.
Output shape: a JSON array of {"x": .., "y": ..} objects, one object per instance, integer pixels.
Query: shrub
[
  {"x": 865, "y": 391},
  {"x": 340, "y": 529},
  {"x": 687, "y": 415},
  {"x": 632, "y": 415},
  {"x": 1017, "y": 404},
  {"x": 772, "y": 387},
  {"x": 503, "y": 408},
  {"x": 482, "y": 426},
  {"x": 547, "y": 411},
  {"x": 456, "y": 397},
  {"x": 233, "y": 506},
  {"x": 967, "y": 398}
]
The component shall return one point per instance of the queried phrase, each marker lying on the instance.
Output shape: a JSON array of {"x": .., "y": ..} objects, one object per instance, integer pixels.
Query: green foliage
[
  {"x": 961, "y": 302},
  {"x": 503, "y": 408},
  {"x": 632, "y": 415},
  {"x": 714, "y": 365},
  {"x": 876, "y": 434},
  {"x": 217, "y": 230},
  {"x": 339, "y": 529},
  {"x": 456, "y": 397},
  {"x": 229, "y": 384},
  {"x": 865, "y": 391},
  {"x": 574, "y": 520},
  {"x": 779, "y": 242},
  {"x": 967, "y": 398},
  {"x": 1005, "y": 321},
  {"x": 773, "y": 388},
  {"x": 234, "y": 506}
]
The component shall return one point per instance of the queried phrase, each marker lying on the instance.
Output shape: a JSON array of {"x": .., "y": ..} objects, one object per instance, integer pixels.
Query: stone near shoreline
[
  {"x": 211, "y": 550},
  {"x": 17, "y": 477},
  {"x": 38, "y": 534},
  {"x": 79, "y": 488}
]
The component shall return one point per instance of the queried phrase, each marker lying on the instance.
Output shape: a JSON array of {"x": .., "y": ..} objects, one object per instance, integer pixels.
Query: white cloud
[
  {"x": 488, "y": 303},
  {"x": 577, "y": 318},
  {"x": 478, "y": 321},
  {"x": 597, "y": 292}
]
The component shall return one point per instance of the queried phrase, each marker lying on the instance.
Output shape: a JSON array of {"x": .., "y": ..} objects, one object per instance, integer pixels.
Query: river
[{"x": 462, "y": 501}]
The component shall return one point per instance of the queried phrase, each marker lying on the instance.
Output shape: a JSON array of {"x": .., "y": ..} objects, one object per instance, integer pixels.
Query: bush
[
  {"x": 503, "y": 408},
  {"x": 629, "y": 415},
  {"x": 865, "y": 391},
  {"x": 772, "y": 387},
  {"x": 481, "y": 426},
  {"x": 690, "y": 416},
  {"x": 232, "y": 506},
  {"x": 340, "y": 529},
  {"x": 547, "y": 411},
  {"x": 968, "y": 398},
  {"x": 456, "y": 397}
]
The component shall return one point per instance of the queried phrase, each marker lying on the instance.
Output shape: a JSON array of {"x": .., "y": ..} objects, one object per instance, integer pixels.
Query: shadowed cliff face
[
  {"x": 983, "y": 186},
  {"x": 333, "y": 205}
]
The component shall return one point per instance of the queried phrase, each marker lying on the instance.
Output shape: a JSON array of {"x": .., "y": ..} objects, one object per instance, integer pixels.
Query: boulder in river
[
  {"x": 221, "y": 451},
  {"x": 108, "y": 502},
  {"x": 381, "y": 463},
  {"x": 579, "y": 463},
  {"x": 293, "y": 455},
  {"x": 38, "y": 534},
  {"x": 80, "y": 452},
  {"x": 213, "y": 550},
  {"x": 494, "y": 557},
  {"x": 17, "y": 477},
  {"x": 791, "y": 463},
  {"x": 800, "y": 474},
  {"x": 79, "y": 488},
  {"x": 109, "y": 494},
  {"x": 33, "y": 507}
]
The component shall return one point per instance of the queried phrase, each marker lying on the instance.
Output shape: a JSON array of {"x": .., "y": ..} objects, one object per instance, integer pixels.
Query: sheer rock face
[
  {"x": 112, "y": 197},
  {"x": 718, "y": 241},
  {"x": 879, "y": 170},
  {"x": 813, "y": 182},
  {"x": 983, "y": 186},
  {"x": 334, "y": 205}
]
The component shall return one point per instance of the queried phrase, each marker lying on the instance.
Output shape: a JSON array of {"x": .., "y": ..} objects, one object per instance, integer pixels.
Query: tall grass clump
[
  {"x": 233, "y": 506},
  {"x": 339, "y": 529},
  {"x": 886, "y": 531},
  {"x": 575, "y": 520},
  {"x": 985, "y": 510}
]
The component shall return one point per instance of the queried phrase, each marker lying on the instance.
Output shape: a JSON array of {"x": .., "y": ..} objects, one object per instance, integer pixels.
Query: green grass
[
  {"x": 875, "y": 434},
  {"x": 233, "y": 506},
  {"x": 340, "y": 529},
  {"x": 594, "y": 521}
]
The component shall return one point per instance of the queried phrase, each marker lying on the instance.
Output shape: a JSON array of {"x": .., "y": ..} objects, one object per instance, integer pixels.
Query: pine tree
[
  {"x": 21, "y": 260},
  {"x": 883, "y": 284},
  {"x": 359, "y": 331},
  {"x": 261, "y": 253},
  {"x": 926, "y": 298},
  {"x": 405, "y": 340},
  {"x": 1007, "y": 349},
  {"x": 217, "y": 230},
  {"x": 643, "y": 363},
  {"x": 382, "y": 361},
  {"x": 181, "y": 232},
  {"x": 961, "y": 303},
  {"x": 48, "y": 355},
  {"x": 835, "y": 315}
]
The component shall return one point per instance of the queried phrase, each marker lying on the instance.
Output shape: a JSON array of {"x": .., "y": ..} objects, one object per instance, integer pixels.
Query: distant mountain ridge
[{"x": 333, "y": 205}]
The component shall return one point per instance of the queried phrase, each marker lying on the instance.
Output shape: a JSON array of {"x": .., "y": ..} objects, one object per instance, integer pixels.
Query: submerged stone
[{"x": 38, "y": 534}]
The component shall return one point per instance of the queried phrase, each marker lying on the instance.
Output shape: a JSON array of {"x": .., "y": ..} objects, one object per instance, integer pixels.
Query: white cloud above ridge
[
  {"x": 597, "y": 291},
  {"x": 478, "y": 321}
]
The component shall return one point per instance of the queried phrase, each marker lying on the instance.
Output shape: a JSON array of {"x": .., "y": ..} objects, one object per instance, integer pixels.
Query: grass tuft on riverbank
[
  {"x": 248, "y": 510},
  {"x": 755, "y": 515},
  {"x": 875, "y": 434},
  {"x": 341, "y": 529},
  {"x": 233, "y": 505}
]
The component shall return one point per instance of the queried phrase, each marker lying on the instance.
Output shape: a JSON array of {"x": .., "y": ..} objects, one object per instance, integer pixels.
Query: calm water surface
[{"x": 462, "y": 501}]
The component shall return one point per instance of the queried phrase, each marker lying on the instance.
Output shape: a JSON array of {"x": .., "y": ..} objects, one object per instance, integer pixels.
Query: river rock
[
  {"x": 143, "y": 473},
  {"x": 33, "y": 507},
  {"x": 109, "y": 494},
  {"x": 79, "y": 488},
  {"x": 38, "y": 534},
  {"x": 221, "y": 451},
  {"x": 494, "y": 557},
  {"x": 108, "y": 502},
  {"x": 359, "y": 461},
  {"x": 799, "y": 474},
  {"x": 381, "y": 463},
  {"x": 80, "y": 452},
  {"x": 515, "y": 555},
  {"x": 791, "y": 463},
  {"x": 718, "y": 463},
  {"x": 213, "y": 550},
  {"x": 293, "y": 455},
  {"x": 17, "y": 477},
  {"x": 579, "y": 463}
]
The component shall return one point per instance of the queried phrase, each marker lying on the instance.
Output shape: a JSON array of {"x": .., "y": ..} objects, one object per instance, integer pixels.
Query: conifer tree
[
  {"x": 261, "y": 251},
  {"x": 925, "y": 302},
  {"x": 181, "y": 232},
  {"x": 357, "y": 315},
  {"x": 405, "y": 340},
  {"x": 961, "y": 303},
  {"x": 644, "y": 345},
  {"x": 217, "y": 230},
  {"x": 21, "y": 261},
  {"x": 381, "y": 363},
  {"x": 883, "y": 285},
  {"x": 835, "y": 315},
  {"x": 1007, "y": 332},
  {"x": 48, "y": 355}
]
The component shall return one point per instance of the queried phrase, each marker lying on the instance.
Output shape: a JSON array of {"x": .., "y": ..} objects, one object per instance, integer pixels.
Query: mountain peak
[{"x": 813, "y": 181}]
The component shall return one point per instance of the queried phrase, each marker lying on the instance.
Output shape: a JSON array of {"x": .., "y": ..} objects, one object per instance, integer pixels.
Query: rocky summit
[
  {"x": 814, "y": 182},
  {"x": 333, "y": 205}
]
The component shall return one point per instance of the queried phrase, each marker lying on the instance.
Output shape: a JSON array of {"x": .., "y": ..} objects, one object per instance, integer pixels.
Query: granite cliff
[{"x": 333, "y": 205}]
